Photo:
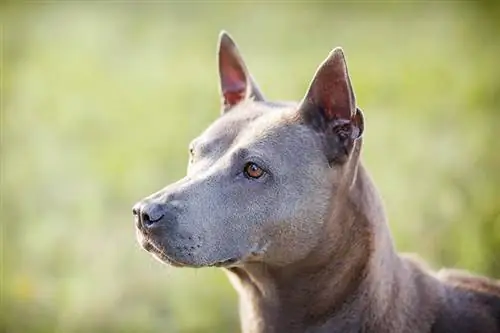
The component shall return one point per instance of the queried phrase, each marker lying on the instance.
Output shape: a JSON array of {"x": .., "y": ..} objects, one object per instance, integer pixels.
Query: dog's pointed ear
[
  {"x": 330, "y": 105},
  {"x": 236, "y": 83}
]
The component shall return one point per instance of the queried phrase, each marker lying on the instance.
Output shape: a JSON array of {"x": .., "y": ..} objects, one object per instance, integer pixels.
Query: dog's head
[{"x": 261, "y": 178}]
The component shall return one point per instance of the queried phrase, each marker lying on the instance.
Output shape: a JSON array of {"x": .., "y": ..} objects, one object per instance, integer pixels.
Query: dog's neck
[{"x": 356, "y": 258}]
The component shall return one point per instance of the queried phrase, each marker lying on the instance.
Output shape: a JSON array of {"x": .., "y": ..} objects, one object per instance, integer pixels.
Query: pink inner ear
[
  {"x": 337, "y": 112},
  {"x": 333, "y": 95},
  {"x": 233, "y": 85},
  {"x": 233, "y": 98}
]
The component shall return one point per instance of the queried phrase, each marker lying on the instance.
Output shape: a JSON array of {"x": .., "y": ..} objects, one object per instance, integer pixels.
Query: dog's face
[{"x": 259, "y": 179}]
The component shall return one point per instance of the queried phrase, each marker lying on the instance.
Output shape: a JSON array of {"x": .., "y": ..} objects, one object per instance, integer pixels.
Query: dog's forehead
[{"x": 248, "y": 114}]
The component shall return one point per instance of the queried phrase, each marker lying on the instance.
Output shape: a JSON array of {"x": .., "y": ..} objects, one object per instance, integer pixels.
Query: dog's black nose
[{"x": 149, "y": 213}]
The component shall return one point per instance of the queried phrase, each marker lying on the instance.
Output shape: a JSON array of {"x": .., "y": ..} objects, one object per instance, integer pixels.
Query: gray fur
[{"x": 307, "y": 245}]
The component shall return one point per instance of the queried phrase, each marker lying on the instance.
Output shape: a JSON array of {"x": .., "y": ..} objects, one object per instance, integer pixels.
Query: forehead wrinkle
[
  {"x": 229, "y": 124},
  {"x": 233, "y": 123},
  {"x": 266, "y": 126}
]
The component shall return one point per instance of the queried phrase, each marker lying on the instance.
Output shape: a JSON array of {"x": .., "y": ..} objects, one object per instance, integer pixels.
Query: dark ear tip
[
  {"x": 225, "y": 39},
  {"x": 337, "y": 54},
  {"x": 338, "y": 50}
]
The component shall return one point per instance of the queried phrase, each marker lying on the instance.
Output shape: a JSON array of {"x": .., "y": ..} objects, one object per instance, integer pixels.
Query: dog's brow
[
  {"x": 242, "y": 153},
  {"x": 193, "y": 143},
  {"x": 201, "y": 145}
]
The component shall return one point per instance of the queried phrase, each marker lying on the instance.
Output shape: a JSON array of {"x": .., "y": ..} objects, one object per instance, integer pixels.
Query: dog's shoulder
[
  {"x": 471, "y": 304},
  {"x": 467, "y": 281}
]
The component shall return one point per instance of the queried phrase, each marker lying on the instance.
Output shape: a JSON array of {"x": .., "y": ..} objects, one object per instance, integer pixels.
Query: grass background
[{"x": 100, "y": 99}]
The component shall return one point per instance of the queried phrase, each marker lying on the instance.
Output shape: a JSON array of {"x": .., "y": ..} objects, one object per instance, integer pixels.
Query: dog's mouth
[
  {"x": 227, "y": 263},
  {"x": 155, "y": 248},
  {"x": 162, "y": 256},
  {"x": 254, "y": 256},
  {"x": 157, "y": 252}
]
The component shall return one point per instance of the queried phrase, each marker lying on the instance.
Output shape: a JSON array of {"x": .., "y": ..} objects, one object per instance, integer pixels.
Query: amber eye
[{"x": 252, "y": 170}]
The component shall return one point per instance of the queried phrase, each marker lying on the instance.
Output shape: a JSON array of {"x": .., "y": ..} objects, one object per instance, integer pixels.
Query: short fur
[{"x": 306, "y": 245}]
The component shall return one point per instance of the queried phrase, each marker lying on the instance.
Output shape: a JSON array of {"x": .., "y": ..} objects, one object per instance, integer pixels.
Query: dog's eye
[{"x": 252, "y": 170}]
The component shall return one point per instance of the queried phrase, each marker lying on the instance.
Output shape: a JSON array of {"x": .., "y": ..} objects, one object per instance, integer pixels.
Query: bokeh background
[{"x": 100, "y": 100}]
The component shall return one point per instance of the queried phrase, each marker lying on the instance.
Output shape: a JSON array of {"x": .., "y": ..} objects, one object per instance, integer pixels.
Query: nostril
[
  {"x": 145, "y": 218},
  {"x": 151, "y": 213}
]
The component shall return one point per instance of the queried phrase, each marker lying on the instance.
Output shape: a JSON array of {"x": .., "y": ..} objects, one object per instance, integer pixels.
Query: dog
[{"x": 276, "y": 195}]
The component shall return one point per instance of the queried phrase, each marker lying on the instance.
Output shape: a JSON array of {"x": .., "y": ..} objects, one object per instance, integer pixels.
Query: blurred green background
[{"x": 100, "y": 100}]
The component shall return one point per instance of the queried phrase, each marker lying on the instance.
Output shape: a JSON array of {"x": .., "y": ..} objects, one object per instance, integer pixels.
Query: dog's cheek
[
  {"x": 286, "y": 241},
  {"x": 300, "y": 227}
]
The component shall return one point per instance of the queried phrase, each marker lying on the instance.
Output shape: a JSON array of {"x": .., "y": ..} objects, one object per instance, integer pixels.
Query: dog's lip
[
  {"x": 151, "y": 247},
  {"x": 139, "y": 225},
  {"x": 254, "y": 256},
  {"x": 231, "y": 262}
]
